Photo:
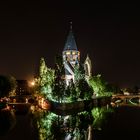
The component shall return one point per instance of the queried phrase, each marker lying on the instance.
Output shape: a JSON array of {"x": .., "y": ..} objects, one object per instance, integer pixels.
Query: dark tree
[
  {"x": 7, "y": 84},
  {"x": 59, "y": 83}
]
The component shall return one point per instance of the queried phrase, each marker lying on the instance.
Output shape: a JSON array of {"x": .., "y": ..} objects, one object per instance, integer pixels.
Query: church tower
[{"x": 71, "y": 56}]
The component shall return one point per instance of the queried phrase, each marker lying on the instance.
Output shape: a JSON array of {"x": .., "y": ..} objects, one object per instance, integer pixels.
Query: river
[
  {"x": 120, "y": 123},
  {"x": 124, "y": 124}
]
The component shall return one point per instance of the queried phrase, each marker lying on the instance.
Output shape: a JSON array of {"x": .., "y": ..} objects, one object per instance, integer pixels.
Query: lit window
[
  {"x": 68, "y": 52},
  {"x": 73, "y": 53}
]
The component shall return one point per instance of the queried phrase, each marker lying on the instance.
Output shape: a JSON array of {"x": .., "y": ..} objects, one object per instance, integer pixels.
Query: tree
[
  {"x": 7, "y": 84},
  {"x": 114, "y": 89},
  {"x": 100, "y": 116},
  {"x": 84, "y": 91},
  {"x": 45, "y": 80},
  {"x": 13, "y": 84},
  {"x": 79, "y": 73},
  {"x": 135, "y": 90},
  {"x": 59, "y": 83},
  {"x": 100, "y": 86}
]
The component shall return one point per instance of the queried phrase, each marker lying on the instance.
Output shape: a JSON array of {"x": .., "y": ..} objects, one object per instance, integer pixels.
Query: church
[{"x": 71, "y": 58}]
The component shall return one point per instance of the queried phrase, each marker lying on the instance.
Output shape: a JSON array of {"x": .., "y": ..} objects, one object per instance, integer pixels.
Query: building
[
  {"x": 71, "y": 58},
  {"x": 22, "y": 87}
]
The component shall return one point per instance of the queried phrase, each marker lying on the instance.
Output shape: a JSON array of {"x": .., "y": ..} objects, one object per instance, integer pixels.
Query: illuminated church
[{"x": 71, "y": 58}]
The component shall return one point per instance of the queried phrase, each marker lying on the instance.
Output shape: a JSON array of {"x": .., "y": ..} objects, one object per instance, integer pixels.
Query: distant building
[
  {"x": 71, "y": 58},
  {"x": 22, "y": 87}
]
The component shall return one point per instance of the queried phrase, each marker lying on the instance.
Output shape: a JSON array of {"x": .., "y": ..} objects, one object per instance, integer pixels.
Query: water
[
  {"x": 119, "y": 123},
  {"x": 52, "y": 126},
  {"x": 123, "y": 124}
]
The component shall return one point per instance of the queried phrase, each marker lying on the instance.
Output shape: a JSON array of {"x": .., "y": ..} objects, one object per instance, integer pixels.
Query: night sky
[{"x": 110, "y": 34}]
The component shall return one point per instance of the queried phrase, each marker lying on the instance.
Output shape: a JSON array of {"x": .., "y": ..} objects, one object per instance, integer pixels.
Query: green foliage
[
  {"x": 99, "y": 86},
  {"x": 84, "y": 90},
  {"x": 59, "y": 64},
  {"x": 79, "y": 90},
  {"x": 71, "y": 93},
  {"x": 79, "y": 73},
  {"x": 59, "y": 83},
  {"x": 58, "y": 90},
  {"x": 45, "y": 80},
  {"x": 100, "y": 116},
  {"x": 46, "y": 74},
  {"x": 46, "y": 124},
  {"x": 114, "y": 89},
  {"x": 51, "y": 84},
  {"x": 51, "y": 126},
  {"x": 7, "y": 84}
]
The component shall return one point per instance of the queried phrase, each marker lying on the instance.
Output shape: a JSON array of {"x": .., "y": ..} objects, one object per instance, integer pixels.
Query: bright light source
[
  {"x": 68, "y": 52},
  {"x": 32, "y": 83}
]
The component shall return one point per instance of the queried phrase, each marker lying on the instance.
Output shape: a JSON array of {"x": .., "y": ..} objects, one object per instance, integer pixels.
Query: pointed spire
[
  {"x": 70, "y": 42},
  {"x": 87, "y": 58}
]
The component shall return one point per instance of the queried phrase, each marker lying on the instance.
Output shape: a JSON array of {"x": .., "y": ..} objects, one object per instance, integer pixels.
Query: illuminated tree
[
  {"x": 83, "y": 89},
  {"x": 70, "y": 92},
  {"x": 99, "y": 86},
  {"x": 46, "y": 124},
  {"x": 100, "y": 116},
  {"x": 45, "y": 80},
  {"x": 79, "y": 73},
  {"x": 74, "y": 126}
]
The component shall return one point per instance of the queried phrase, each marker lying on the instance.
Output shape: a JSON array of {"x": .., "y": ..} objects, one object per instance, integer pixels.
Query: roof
[{"x": 70, "y": 42}]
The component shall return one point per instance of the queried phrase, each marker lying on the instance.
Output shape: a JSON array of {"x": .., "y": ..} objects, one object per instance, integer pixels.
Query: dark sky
[{"x": 110, "y": 34}]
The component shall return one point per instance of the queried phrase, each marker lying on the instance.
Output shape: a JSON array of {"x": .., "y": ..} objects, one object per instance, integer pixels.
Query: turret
[{"x": 88, "y": 67}]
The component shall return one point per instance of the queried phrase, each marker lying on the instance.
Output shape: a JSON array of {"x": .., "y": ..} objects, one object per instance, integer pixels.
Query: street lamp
[{"x": 32, "y": 83}]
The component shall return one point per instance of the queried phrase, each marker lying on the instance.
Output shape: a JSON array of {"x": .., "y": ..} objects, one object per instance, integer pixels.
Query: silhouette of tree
[
  {"x": 59, "y": 83},
  {"x": 7, "y": 84}
]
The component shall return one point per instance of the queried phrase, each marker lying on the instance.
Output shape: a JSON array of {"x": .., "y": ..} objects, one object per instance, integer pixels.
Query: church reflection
[
  {"x": 79, "y": 126},
  {"x": 76, "y": 126}
]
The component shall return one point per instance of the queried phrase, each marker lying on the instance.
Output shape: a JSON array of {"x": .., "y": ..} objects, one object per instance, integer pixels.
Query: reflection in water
[
  {"x": 70, "y": 127},
  {"x": 134, "y": 101},
  {"x": 7, "y": 121},
  {"x": 101, "y": 116}
]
